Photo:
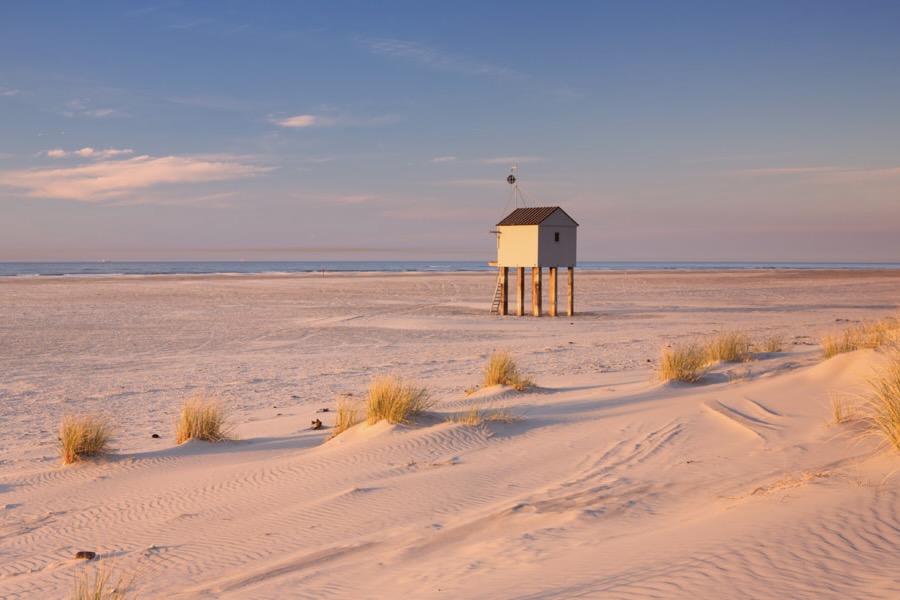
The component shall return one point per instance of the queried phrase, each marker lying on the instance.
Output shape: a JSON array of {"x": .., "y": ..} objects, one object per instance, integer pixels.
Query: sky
[{"x": 343, "y": 130}]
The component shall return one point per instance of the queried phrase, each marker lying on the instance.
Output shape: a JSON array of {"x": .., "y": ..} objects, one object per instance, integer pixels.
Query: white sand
[{"x": 609, "y": 486}]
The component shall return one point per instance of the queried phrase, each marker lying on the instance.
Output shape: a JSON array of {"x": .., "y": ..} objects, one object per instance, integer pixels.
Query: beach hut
[{"x": 538, "y": 237}]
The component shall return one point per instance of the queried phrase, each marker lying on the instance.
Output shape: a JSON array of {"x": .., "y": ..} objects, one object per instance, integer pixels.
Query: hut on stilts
[{"x": 535, "y": 238}]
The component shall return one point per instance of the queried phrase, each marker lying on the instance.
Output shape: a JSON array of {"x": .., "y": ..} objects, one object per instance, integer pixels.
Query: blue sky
[{"x": 688, "y": 130}]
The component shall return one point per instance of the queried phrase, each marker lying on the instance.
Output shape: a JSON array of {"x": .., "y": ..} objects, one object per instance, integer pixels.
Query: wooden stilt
[
  {"x": 520, "y": 291},
  {"x": 571, "y": 287},
  {"x": 536, "y": 291},
  {"x": 553, "y": 291},
  {"x": 504, "y": 291}
]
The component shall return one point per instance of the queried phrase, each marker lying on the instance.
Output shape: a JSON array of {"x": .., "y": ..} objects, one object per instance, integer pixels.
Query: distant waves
[{"x": 59, "y": 269}]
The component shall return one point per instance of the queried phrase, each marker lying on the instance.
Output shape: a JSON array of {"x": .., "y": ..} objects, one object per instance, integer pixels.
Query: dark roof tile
[{"x": 530, "y": 216}]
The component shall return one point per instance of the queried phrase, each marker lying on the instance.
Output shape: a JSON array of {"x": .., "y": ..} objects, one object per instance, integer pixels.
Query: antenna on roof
[{"x": 513, "y": 181}]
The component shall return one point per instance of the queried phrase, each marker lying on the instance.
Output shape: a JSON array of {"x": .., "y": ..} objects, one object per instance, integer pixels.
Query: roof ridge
[{"x": 533, "y": 215}]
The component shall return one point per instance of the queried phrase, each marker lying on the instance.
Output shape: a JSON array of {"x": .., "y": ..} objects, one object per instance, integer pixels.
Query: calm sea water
[{"x": 26, "y": 269}]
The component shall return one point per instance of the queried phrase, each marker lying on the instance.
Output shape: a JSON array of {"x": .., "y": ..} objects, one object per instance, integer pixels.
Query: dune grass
[
  {"x": 202, "y": 418},
  {"x": 883, "y": 402},
  {"x": 346, "y": 416},
  {"x": 83, "y": 436},
  {"x": 834, "y": 344},
  {"x": 841, "y": 412},
  {"x": 868, "y": 334},
  {"x": 684, "y": 362},
  {"x": 502, "y": 369},
  {"x": 395, "y": 400},
  {"x": 730, "y": 346},
  {"x": 104, "y": 584}
]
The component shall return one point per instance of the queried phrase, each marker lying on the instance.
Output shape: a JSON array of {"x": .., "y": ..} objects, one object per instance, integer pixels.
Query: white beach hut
[{"x": 538, "y": 237}]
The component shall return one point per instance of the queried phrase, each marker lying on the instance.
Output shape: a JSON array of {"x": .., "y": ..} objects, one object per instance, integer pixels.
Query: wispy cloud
[
  {"x": 787, "y": 170},
  {"x": 114, "y": 179},
  {"x": 437, "y": 214},
  {"x": 88, "y": 152},
  {"x": 304, "y": 121},
  {"x": 8, "y": 93},
  {"x": 758, "y": 157},
  {"x": 217, "y": 200},
  {"x": 82, "y": 108},
  {"x": 867, "y": 174},
  {"x": 830, "y": 173},
  {"x": 510, "y": 160},
  {"x": 430, "y": 57},
  {"x": 101, "y": 113},
  {"x": 354, "y": 198},
  {"x": 339, "y": 198},
  {"x": 475, "y": 182}
]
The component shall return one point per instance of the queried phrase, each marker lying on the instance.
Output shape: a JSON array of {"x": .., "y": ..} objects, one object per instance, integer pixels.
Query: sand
[{"x": 607, "y": 484}]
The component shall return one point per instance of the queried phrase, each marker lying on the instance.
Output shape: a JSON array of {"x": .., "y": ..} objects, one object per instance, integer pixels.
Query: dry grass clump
[
  {"x": 502, "y": 369},
  {"x": 881, "y": 333},
  {"x": 103, "y": 585},
  {"x": 81, "y": 436},
  {"x": 731, "y": 346},
  {"x": 834, "y": 344},
  {"x": 346, "y": 416},
  {"x": 395, "y": 400},
  {"x": 841, "y": 412},
  {"x": 884, "y": 402},
  {"x": 202, "y": 418},
  {"x": 685, "y": 362},
  {"x": 868, "y": 334}
]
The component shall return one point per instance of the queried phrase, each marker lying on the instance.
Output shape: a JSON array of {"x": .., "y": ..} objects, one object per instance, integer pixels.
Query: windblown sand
[{"x": 607, "y": 485}]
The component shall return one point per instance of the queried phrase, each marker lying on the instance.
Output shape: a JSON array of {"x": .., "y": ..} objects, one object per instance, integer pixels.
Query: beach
[{"x": 604, "y": 482}]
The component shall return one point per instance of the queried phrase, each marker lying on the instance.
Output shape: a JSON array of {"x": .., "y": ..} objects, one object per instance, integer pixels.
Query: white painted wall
[{"x": 517, "y": 246}]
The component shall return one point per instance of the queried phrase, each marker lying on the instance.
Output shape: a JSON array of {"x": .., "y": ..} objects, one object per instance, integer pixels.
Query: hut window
[{"x": 556, "y": 237}]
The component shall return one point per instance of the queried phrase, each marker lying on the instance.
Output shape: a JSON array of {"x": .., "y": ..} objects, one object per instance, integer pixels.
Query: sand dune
[{"x": 607, "y": 485}]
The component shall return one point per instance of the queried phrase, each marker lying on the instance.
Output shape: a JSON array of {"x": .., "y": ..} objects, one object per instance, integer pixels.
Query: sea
[{"x": 112, "y": 268}]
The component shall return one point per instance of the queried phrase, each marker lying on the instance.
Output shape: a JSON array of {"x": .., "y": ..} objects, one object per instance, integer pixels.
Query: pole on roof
[{"x": 513, "y": 181}]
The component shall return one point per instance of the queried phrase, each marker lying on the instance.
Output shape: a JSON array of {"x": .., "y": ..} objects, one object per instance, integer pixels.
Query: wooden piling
[
  {"x": 520, "y": 291},
  {"x": 571, "y": 287},
  {"x": 553, "y": 293},
  {"x": 536, "y": 291},
  {"x": 504, "y": 291}
]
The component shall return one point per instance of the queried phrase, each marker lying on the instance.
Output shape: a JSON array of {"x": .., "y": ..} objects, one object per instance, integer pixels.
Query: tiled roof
[{"x": 530, "y": 216}]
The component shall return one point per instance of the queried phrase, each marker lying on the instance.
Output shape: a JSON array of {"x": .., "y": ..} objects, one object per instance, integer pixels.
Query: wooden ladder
[{"x": 498, "y": 294}]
